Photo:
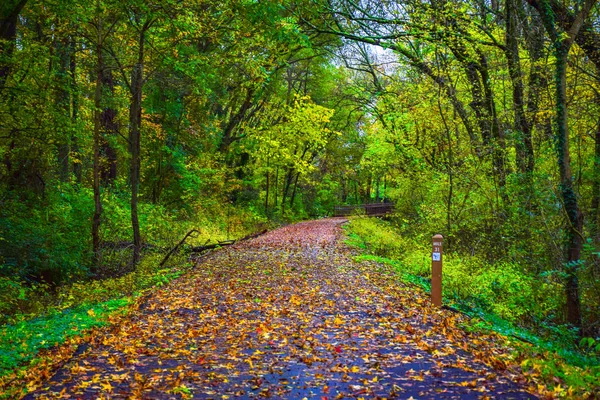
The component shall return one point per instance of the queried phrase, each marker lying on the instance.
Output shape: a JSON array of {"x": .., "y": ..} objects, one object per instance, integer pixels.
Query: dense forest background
[{"x": 124, "y": 124}]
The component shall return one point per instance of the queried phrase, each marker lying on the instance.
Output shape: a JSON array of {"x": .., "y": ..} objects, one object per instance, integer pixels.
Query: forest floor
[{"x": 287, "y": 315}]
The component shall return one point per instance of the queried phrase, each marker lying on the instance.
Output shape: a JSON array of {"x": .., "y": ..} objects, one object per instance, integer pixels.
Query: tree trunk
[
  {"x": 595, "y": 206},
  {"x": 96, "y": 162},
  {"x": 294, "y": 190},
  {"x": 569, "y": 197},
  {"x": 77, "y": 162},
  {"x": 110, "y": 129},
  {"x": 229, "y": 132},
  {"x": 135, "y": 122},
  {"x": 477, "y": 103},
  {"x": 449, "y": 168},
  {"x": 483, "y": 106},
  {"x": 498, "y": 140},
  {"x": 563, "y": 37},
  {"x": 286, "y": 188},
  {"x": 267, "y": 194},
  {"x": 63, "y": 105},
  {"x": 275, "y": 192},
  {"x": 523, "y": 142}
]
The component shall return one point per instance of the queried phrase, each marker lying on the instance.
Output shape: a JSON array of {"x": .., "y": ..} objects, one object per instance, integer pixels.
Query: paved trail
[{"x": 286, "y": 315}]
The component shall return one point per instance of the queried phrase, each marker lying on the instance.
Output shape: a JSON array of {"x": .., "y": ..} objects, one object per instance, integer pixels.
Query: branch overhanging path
[{"x": 287, "y": 315}]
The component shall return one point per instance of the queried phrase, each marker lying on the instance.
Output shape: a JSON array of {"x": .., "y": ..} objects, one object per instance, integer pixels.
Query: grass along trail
[{"x": 288, "y": 315}]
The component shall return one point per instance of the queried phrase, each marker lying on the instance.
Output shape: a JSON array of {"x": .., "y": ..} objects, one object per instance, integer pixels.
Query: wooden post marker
[{"x": 436, "y": 270}]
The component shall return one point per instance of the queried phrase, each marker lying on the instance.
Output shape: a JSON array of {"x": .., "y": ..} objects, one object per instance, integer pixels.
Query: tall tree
[
  {"x": 562, "y": 41},
  {"x": 142, "y": 23}
]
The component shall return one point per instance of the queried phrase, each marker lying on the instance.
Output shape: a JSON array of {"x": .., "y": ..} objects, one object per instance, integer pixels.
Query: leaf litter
[{"x": 288, "y": 315}]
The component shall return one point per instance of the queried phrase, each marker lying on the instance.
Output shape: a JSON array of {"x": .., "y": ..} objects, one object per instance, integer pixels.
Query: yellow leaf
[
  {"x": 558, "y": 389},
  {"x": 106, "y": 386}
]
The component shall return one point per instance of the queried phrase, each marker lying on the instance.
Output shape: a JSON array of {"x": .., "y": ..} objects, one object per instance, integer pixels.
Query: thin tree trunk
[
  {"x": 595, "y": 206},
  {"x": 267, "y": 195},
  {"x": 157, "y": 184},
  {"x": 569, "y": 196},
  {"x": 450, "y": 166},
  {"x": 294, "y": 190},
  {"x": 77, "y": 162},
  {"x": 523, "y": 142},
  {"x": 286, "y": 188},
  {"x": 135, "y": 122},
  {"x": 63, "y": 107},
  {"x": 498, "y": 139},
  {"x": 110, "y": 130},
  {"x": 275, "y": 192},
  {"x": 477, "y": 103},
  {"x": 96, "y": 163},
  {"x": 483, "y": 105}
]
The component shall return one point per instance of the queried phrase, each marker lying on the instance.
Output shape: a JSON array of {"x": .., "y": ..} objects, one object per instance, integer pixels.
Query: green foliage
[
  {"x": 377, "y": 237},
  {"x": 20, "y": 342},
  {"x": 49, "y": 241},
  {"x": 13, "y": 296},
  {"x": 500, "y": 289}
]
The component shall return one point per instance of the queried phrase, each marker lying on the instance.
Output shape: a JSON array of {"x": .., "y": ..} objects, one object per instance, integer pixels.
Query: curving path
[{"x": 287, "y": 315}]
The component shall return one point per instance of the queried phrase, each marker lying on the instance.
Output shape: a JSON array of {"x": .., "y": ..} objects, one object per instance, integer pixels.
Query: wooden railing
[{"x": 371, "y": 210}]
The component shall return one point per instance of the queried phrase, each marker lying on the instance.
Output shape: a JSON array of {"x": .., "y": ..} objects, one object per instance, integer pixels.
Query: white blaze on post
[{"x": 436, "y": 270}]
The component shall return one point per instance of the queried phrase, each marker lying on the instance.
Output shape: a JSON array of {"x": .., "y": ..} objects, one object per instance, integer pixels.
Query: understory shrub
[
  {"x": 502, "y": 288},
  {"x": 378, "y": 238}
]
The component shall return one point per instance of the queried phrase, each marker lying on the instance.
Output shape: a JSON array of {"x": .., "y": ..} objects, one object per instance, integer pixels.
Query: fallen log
[
  {"x": 199, "y": 249},
  {"x": 177, "y": 246}
]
